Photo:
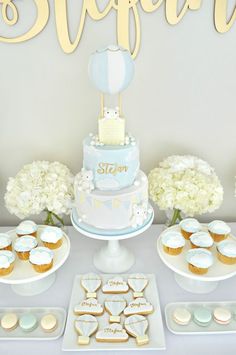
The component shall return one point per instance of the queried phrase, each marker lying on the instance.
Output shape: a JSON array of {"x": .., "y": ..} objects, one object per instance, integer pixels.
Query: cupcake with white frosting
[
  {"x": 5, "y": 242},
  {"x": 24, "y": 245},
  {"x": 27, "y": 228},
  {"x": 173, "y": 242},
  {"x": 188, "y": 226},
  {"x": 219, "y": 230},
  {"x": 7, "y": 259},
  {"x": 52, "y": 237},
  {"x": 226, "y": 252},
  {"x": 201, "y": 240},
  {"x": 41, "y": 258},
  {"x": 199, "y": 260}
]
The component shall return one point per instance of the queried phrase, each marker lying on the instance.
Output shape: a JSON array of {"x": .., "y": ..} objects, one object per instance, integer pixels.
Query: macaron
[
  {"x": 222, "y": 315},
  {"x": 48, "y": 322},
  {"x": 181, "y": 316},
  {"x": 202, "y": 316},
  {"x": 28, "y": 322},
  {"x": 188, "y": 226},
  {"x": 9, "y": 321},
  {"x": 201, "y": 240}
]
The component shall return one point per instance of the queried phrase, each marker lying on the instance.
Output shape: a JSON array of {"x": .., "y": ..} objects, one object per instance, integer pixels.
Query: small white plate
[
  {"x": 38, "y": 333},
  {"x": 192, "y": 328},
  {"x": 155, "y": 330},
  {"x": 24, "y": 272}
]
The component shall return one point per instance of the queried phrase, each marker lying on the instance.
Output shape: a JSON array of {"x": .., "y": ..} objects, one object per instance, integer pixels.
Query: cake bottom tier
[{"x": 114, "y": 209}]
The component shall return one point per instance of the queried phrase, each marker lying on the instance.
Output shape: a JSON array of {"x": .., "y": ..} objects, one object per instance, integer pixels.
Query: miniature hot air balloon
[
  {"x": 137, "y": 326},
  {"x": 85, "y": 326},
  {"x": 137, "y": 283},
  {"x": 91, "y": 283},
  {"x": 115, "y": 306}
]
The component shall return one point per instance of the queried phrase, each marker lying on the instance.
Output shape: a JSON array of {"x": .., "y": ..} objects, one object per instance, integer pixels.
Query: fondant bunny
[
  {"x": 85, "y": 180},
  {"x": 139, "y": 215}
]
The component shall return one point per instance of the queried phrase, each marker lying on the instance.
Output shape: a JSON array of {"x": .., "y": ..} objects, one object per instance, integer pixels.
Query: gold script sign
[
  {"x": 123, "y": 8},
  {"x": 114, "y": 169}
]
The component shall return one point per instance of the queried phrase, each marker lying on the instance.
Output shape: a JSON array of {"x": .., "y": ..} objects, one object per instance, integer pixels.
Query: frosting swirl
[
  {"x": 5, "y": 240},
  {"x": 51, "y": 234},
  {"x": 202, "y": 239},
  {"x": 227, "y": 248},
  {"x": 201, "y": 258},
  {"x": 41, "y": 256},
  {"x": 190, "y": 225},
  {"x": 26, "y": 227},
  {"x": 173, "y": 239},
  {"x": 219, "y": 227},
  {"x": 6, "y": 258},
  {"x": 25, "y": 243}
]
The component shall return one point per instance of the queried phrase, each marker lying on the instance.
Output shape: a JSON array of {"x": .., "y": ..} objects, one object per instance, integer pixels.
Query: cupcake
[
  {"x": 173, "y": 242},
  {"x": 219, "y": 230},
  {"x": 41, "y": 258},
  {"x": 199, "y": 260},
  {"x": 201, "y": 240},
  {"x": 24, "y": 245},
  {"x": 27, "y": 228},
  {"x": 52, "y": 237},
  {"x": 5, "y": 242},
  {"x": 189, "y": 226},
  {"x": 226, "y": 252},
  {"x": 7, "y": 259}
]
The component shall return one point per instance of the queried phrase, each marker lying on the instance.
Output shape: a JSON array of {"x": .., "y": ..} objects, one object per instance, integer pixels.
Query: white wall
[{"x": 182, "y": 99}]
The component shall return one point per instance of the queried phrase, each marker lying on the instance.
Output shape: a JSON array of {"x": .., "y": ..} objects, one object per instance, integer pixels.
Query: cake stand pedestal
[
  {"x": 112, "y": 257},
  {"x": 190, "y": 282}
]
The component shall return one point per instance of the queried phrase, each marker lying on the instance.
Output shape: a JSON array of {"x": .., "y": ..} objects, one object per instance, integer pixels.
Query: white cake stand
[
  {"x": 112, "y": 257},
  {"x": 25, "y": 281},
  {"x": 186, "y": 279}
]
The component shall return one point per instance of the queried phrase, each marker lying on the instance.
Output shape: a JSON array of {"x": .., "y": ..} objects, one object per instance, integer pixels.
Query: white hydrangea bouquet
[
  {"x": 41, "y": 186},
  {"x": 185, "y": 184}
]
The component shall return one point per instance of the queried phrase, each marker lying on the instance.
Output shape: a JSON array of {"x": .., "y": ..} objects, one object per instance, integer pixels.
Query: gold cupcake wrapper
[
  {"x": 226, "y": 259},
  {"x": 6, "y": 271},
  {"x": 172, "y": 251},
  {"x": 197, "y": 270},
  {"x": 43, "y": 268},
  {"x": 218, "y": 237},
  {"x": 53, "y": 245}
]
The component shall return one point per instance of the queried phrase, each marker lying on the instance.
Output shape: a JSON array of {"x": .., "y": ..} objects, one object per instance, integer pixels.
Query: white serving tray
[
  {"x": 155, "y": 330},
  {"x": 192, "y": 328},
  {"x": 38, "y": 333},
  {"x": 24, "y": 272},
  {"x": 217, "y": 272}
]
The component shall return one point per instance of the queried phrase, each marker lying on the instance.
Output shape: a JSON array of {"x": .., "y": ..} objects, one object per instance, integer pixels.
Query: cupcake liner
[
  {"x": 34, "y": 234},
  {"x": 218, "y": 237},
  {"x": 197, "y": 270},
  {"x": 23, "y": 255},
  {"x": 172, "y": 251},
  {"x": 43, "y": 268},
  {"x": 53, "y": 245},
  {"x": 9, "y": 247},
  {"x": 6, "y": 271},
  {"x": 185, "y": 234},
  {"x": 226, "y": 259}
]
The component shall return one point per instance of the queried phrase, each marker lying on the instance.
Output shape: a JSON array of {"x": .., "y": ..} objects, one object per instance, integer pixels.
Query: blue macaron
[{"x": 202, "y": 316}]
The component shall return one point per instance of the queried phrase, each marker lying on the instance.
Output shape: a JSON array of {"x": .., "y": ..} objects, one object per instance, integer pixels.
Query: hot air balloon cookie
[
  {"x": 89, "y": 306},
  {"x": 85, "y": 326},
  {"x": 139, "y": 306},
  {"x": 137, "y": 282},
  {"x": 113, "y": 333},
  {"x": 115, "y": 305},
  {"x": 91, "y": 283},
  {"x": 115, "y": 285},
  {"x": 136, "y": 326}
]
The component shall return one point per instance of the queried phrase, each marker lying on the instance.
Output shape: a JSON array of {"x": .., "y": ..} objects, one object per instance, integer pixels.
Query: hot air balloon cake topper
[
  {"x": 136, "y": 326},
  {"x": 91, "y": 283},
  {"x": 85, "y": 326},
  {"x": 115, "y": 305},
  {"x": 111, "y": 70}
]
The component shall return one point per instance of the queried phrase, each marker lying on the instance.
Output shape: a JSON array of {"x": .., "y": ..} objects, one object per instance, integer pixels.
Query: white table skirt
[{"x": 147, "y": 261}]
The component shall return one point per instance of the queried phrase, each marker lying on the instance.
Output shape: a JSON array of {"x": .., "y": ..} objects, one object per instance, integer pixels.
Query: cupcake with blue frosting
[
  {"x": 24, "y": 245},
  {"x": 27, "y": 228},
  {"x": 201, "y": 240},
  {"x": 173, "y": 242},
  {"x": 41, "y": 258},
  {"x": 52, "y": 237},
  {"x": 226, "y": 252},
  {"x": 199, "y": 260},
  {"x": 219, "y": 230},
  {"x": 5, "y": 242},
  {"x": 188, "y": 226},
  {"x": 7, "y": 259}
]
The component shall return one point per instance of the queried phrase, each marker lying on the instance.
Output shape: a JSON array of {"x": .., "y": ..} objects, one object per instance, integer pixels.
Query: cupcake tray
[
  {"x": 192, "y": 328},
  {"x": 38, "y": 333},
  {"x": 24, "y": 272},
  {"x": 155, "y": 330}
]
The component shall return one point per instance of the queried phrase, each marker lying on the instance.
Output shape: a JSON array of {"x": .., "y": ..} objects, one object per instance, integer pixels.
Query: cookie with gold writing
[
  {"x": 113, "y": 333},
  {"x": 89, "y": 306},
  {"x": 115, "y": 285},
  {"x": 138, "y": 306}
]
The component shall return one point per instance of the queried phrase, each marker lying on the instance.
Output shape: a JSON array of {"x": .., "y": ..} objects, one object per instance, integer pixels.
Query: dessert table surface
[{"x": 147, "y": 261}]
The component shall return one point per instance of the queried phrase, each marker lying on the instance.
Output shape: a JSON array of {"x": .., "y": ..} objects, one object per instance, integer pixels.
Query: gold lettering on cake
[
  {"x": 124, "y": 9},
  {"x": 110, "y": 168}
]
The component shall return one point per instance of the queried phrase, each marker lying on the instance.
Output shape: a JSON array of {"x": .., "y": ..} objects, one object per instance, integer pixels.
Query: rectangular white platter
[
  {"x": 38, "y": 333},
  {"x": 155, "y": 329},
  {"x": 192, "y": 328}
]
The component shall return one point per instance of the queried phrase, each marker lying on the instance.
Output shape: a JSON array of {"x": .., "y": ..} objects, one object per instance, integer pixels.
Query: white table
[{"x": 147, "y": 261}]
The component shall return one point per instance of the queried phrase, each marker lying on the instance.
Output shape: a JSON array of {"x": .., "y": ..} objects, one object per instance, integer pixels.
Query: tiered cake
[{"x": 111, "y": 192}]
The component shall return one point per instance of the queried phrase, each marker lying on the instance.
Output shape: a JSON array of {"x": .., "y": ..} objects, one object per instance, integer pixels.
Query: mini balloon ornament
[
  {"x": 137, "y": 282},
  {"x": 85, "y": 326},
  {"x": 91, "y": 283},
  {"x": 137, "y": 326},
  {"x": 115, "y": 306}
]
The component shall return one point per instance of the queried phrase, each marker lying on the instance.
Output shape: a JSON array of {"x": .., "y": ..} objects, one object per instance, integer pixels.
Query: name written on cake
[{"x": 111, "y": 168}]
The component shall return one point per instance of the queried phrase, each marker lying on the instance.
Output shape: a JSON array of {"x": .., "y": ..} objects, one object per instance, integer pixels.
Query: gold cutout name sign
[{"x": 124, "y": 9}]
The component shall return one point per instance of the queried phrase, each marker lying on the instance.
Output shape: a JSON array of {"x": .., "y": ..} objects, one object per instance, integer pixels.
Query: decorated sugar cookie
[
  {"x": 137, "y": 282},
  {"x": 115, "y": 306},
  {"x": 113, "y": 333},
  {"x": 136, "y": 326},
  {"x": 91, "y": 283},
  {"x": 89, "y": 306},
  {"x": 138, "y": 306},
  {"x": 116, "y": 285},
  {"x": 85, "y": 326}
]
